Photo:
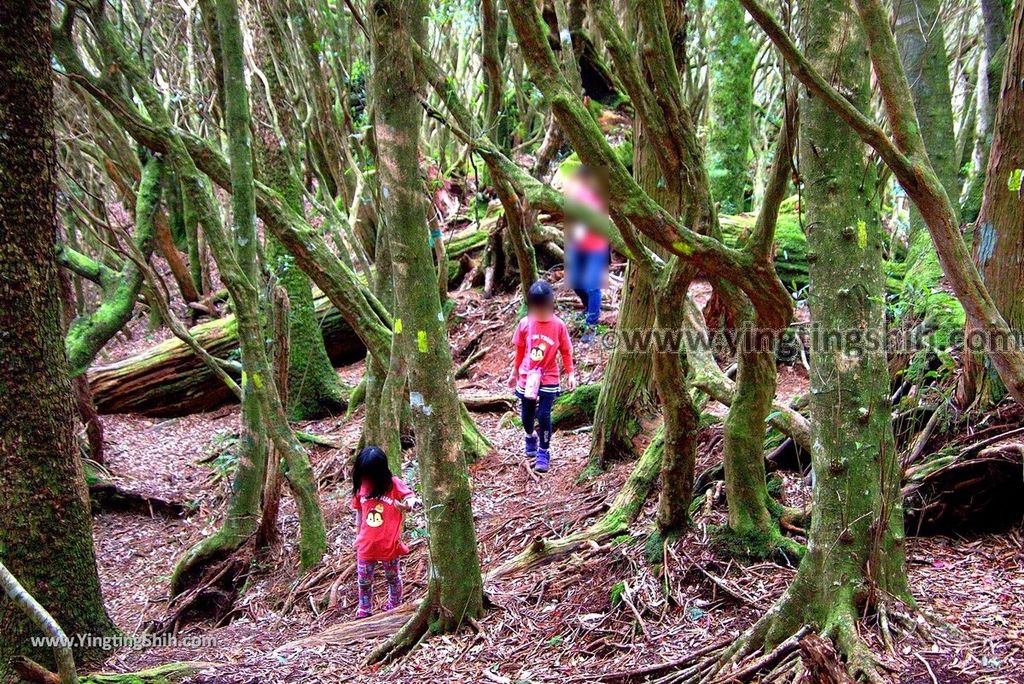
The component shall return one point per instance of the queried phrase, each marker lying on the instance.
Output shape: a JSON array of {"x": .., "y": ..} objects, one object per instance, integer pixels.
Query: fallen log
[
  {"x": 168, "y": 379},
  {"x": 966, "y": 492}
]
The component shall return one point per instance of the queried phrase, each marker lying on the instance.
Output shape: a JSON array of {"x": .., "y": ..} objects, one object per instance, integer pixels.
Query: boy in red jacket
[{"x": 540, "y": 338}]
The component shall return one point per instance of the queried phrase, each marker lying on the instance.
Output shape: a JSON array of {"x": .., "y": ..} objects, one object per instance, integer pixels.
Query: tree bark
[
  {"x": 990, "y": 73},
  {"x": 315, "y": 390},
  {"x": 46, "y": 535},
  {"x": 627, "y": 389},
  {"x": 454, "y": 592},
  {"x": 731, "y": 67},
  {"x": 855, "y": 553},
  {"x": 919, "y": 32},
  {"x": 88, "y": 334},
  {"x": 999, "y": 231}
]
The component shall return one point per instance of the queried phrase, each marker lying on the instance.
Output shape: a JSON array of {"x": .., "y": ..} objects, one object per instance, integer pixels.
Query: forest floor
[{"x": 598, "y": 613}]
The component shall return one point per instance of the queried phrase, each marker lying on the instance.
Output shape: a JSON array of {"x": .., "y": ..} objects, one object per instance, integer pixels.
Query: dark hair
[
  {"x": 540, "y": 294},
  {"x": 372, "y": 465}
]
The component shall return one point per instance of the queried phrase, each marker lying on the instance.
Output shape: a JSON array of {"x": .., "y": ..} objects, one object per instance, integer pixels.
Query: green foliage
[
  {"x": 617, "y": 591},
  {"x": 222, "y": 454}
]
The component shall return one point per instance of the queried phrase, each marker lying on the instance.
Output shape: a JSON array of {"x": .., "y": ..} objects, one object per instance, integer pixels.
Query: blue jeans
[
  {"x": 538, "y": 412},
  {"x": 586, "y": 275}
]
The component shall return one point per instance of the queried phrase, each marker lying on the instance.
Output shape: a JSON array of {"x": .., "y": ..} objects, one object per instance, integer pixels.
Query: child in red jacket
[
  {"x": 540, "y": 338},
  {"x": 380, "y": 501}
]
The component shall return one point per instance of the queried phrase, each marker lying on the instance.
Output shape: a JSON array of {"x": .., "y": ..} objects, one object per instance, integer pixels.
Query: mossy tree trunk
[
  {"x": 681, "y": 417},
  {"x": 519, "y": 217},
  {"x": 627, "y": 397},
  {"x": 990, "y": 76},
  {"x": 731, "y": 65},
  {"x": 454, "y": 592},
  {"x": 314, "y": 387},
  {"x": 746, "y": 489},
  {"x": 752, "y": 512},
  {"x": 919, "y": 33},
  {"x": 46, "y": 534},
  {"x": 855, "y": 555},
  {"x": 264, "y": 417},
  {"x": 999, "y": 231},
  {"x": 386, "y": 382}
]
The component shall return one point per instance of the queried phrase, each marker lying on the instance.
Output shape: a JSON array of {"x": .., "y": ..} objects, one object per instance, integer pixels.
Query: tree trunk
[
  {"x": 681, "y": 417},
  {"x": 919, "y": 33},
  {"x": 999, "y": 231},
  {"x": 46, "y": 535},
  {"x": 731, "y": 65},
  {"x": 315, "y": 390},
  {"x": 88, "y": 334},
  {"x": 627, "y": 396},
  {"x": 454, "y": 592},
  {"x": 263, "y": 418},
  {"x": 855, "y": 555},
  {"x": 990, "y": 76}
]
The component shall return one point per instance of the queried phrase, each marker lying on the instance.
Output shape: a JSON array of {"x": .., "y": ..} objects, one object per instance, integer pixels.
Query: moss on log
[
  {"x": 169, "y": 380},
  {"x": 575, "y": 408}
]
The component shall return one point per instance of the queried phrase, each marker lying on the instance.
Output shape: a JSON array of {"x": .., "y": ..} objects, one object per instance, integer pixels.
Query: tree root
[
  {"x": 616, "y": 521},
  {"x": 162, "y": 674},
  {"x": 199, "y": 558},
  {"x": 832, "y": 650},
  {"x": 215, "y": 580},
  {"x": 31, "y": 671},
  {"x": 757, "y": 546},
  {"x": 409, "y": 635}
]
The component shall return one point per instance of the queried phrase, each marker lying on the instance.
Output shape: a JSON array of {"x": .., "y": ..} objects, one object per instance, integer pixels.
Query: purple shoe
[
  {"x": 531, "y": 442},
  {"x": 543, "y": 461}
]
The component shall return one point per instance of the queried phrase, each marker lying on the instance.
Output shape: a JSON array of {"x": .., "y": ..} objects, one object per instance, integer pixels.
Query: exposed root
[
  {"x": 821, "y": 662},
  {"x": 195, "y": 562},
  {"x": 31, "y": 671},
  {"x": 162, "y": 674},
  {"x": 409, "y": 635},
  {"x": 379, "y": 626},
  {"x": 623, "y": 510},
  {"x": 212, "y": 595},
  {"x": 787, "y": 639}
]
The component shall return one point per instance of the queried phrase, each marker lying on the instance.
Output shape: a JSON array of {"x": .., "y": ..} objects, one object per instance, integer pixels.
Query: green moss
[
  {"x": 654, "y": 546},
  {"x": 790, "y": 243},
  {"x": 923, "y": 302},
  {"x": 576, "y": 407},
  {"x": 755, "y": 546},
  {"x": 731, "y": 64},
  {"x": 623, "y": 151},
  {"x": 162, "y": 674}
]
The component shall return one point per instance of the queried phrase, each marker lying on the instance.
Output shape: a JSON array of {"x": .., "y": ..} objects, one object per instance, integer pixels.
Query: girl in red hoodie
[
  {"x": 540, "y": 338},
  {"x": 380, "y": 501}
]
